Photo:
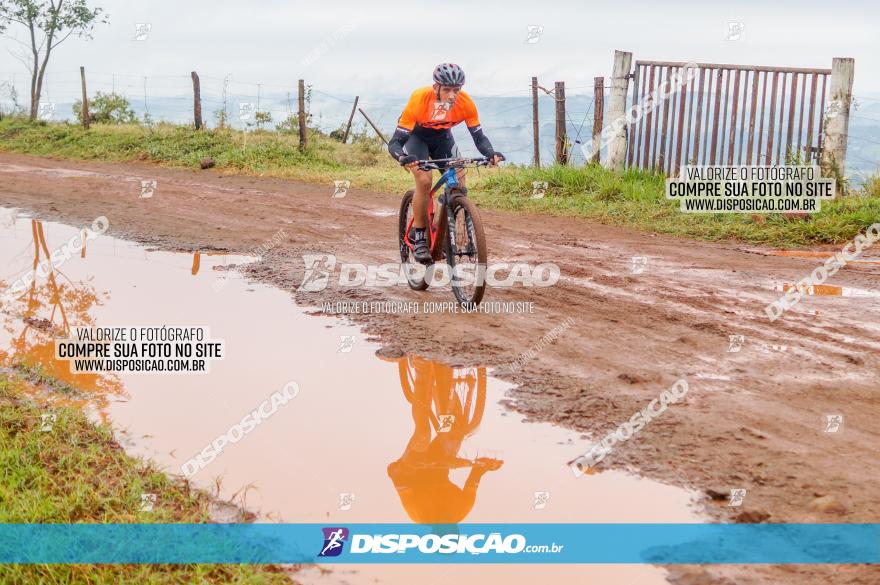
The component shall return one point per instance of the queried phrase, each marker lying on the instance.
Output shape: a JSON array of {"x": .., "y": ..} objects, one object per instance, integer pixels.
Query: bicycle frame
[{"x": 448, "y": 178}]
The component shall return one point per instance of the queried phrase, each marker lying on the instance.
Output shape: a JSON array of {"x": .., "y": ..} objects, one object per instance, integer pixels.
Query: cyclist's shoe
[{"x": 421, "y": 251}]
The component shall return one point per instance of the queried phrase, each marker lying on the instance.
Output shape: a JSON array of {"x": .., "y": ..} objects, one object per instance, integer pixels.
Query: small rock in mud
[
  {"x": 827, "y": 505},
  {"x": 716, "y": 495},
  {"x": 207, "y": 162}
]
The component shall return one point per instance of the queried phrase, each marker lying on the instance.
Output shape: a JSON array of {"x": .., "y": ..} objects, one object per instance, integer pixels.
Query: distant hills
[{"x": 507, "y": 121}]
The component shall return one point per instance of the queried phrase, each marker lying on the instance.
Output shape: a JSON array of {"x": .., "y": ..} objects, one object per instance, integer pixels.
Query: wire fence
[
  {"x": 506, "y": 116},
  {"x": 863, "y": 139}
]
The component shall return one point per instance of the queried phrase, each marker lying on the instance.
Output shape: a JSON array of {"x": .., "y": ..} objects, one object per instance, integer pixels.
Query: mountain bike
[
  {"x": 455, "y": 233},
  {"x": 444, "y": 390}
]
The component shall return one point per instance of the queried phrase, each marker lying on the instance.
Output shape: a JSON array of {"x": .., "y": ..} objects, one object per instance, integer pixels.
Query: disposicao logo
[
  {"x": 334, "y": 541},
  {"x": 444, "y": 544}
]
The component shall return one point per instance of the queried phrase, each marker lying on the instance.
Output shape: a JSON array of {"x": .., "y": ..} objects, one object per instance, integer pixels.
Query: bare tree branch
[
  {"x": 62, "y": 40},
  {"x": 10, "y": 19},
  {"x": 22, "y": 58}
]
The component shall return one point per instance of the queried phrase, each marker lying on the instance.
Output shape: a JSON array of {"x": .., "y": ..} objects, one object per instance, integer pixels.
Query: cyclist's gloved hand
[
  {"x": 407, "y": 159},
  {"x": 496, "y": 158}
]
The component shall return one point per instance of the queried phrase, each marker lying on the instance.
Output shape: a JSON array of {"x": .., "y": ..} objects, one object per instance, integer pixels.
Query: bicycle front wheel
[{"x": 466, "y": 252}]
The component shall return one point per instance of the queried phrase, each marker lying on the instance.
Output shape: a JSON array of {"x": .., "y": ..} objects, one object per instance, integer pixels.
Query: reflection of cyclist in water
[{"x": 421, "y": 475}]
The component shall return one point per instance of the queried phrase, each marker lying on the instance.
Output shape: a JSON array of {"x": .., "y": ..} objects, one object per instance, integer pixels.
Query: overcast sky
[{"x": 378, "y": 47}]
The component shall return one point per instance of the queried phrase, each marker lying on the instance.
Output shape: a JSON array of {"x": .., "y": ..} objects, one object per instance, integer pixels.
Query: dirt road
[{"x": 753, "y": 419}]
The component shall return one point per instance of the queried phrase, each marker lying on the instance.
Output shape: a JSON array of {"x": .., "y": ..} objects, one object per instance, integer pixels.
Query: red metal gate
[{"x": 723, "y": 116}]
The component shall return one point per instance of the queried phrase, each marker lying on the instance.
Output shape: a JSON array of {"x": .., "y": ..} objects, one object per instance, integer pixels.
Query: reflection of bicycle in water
[{"x": 447, "y": 407}]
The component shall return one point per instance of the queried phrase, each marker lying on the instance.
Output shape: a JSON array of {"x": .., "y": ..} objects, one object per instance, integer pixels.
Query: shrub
[{"x": 107, "y": 108}]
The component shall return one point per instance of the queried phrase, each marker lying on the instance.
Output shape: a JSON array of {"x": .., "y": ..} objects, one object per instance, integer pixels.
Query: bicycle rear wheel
[
  {"x": 466, "y": 252},
  {"x": 415, "y": 272}
]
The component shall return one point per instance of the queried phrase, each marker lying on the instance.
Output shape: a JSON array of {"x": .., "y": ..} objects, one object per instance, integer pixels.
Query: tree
[
  {"x": 107, "y": 108},
  {"x": 49, "y": 23}
]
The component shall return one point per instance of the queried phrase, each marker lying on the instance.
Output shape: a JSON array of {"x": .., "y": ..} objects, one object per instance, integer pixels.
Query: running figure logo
[
  {"x": 334, "y": 541},
  {"x": 833, "y": 422},
  {"x": 317, "y": 273},
  {"x": 440, "y": 109},
  {"x": 638, "y": 264},
  {"x": 736, "y": 343}
]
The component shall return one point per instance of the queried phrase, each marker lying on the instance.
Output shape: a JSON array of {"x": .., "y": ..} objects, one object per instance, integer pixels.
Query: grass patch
[
  {"x": 365, "y": 162},
  {"x": 76, "y": 472},
  {"x": 636, "y": 199},
  {"x": 632, "y": 198}
]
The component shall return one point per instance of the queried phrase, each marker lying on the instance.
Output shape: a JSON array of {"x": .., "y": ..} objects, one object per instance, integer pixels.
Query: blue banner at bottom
[{"x": 452, "y": 544}]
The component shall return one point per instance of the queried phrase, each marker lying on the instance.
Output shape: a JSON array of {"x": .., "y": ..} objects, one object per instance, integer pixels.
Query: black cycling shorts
[{"x": 423, "y": 148}]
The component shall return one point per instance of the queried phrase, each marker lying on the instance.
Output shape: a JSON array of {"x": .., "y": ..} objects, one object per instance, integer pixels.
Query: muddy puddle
[{"x": 365, "y": 439}]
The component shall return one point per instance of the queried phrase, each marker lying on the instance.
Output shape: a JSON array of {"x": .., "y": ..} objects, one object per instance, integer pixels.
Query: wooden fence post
[
  {"x": 85, "y": 99},
  {"x": 535, "y": 126},
  {"x": 302, "y": 114},
  {"x": 379, "y": 132},
  {"x": 350, "y": 118},
  {"x": 837, "y": 121},
  {"x": 598, "y": 107},
  {"x": 561, "y": 146},
  {"x": 197, "y": 101},
  {"x": 617, "y": 109}
]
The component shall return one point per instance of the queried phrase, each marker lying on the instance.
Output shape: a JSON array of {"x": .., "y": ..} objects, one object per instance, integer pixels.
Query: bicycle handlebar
[{"x": 452, "y": 163}]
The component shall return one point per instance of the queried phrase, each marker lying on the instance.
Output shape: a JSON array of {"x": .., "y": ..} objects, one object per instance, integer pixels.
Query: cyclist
[{"x": 424, "y": 132}]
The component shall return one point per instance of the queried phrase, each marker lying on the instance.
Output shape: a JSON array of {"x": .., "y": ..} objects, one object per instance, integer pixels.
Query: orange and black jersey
[
  {"x": 424, "y": 111},
  {"x": 430, "y": 119}
]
